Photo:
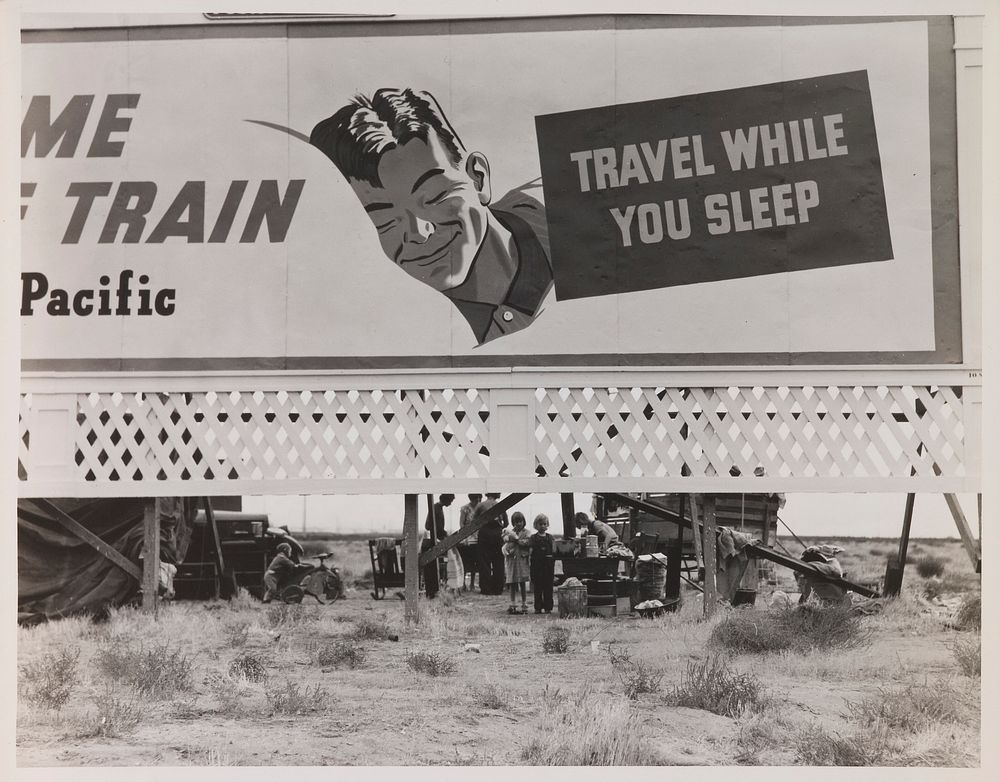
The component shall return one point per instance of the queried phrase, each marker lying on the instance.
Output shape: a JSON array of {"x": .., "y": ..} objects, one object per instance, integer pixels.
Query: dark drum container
[{"x": 651, "y": 578}]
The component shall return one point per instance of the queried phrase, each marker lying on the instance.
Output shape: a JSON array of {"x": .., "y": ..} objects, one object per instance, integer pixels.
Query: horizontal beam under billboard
[{"x": 537, "y": 486}]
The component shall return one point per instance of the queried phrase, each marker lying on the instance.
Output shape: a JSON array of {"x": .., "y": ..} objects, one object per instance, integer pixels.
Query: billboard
[{"x": 564, "y": 192}]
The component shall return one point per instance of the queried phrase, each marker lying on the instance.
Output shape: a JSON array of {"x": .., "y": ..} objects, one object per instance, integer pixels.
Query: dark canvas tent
[{"x": 59, "y": 574}]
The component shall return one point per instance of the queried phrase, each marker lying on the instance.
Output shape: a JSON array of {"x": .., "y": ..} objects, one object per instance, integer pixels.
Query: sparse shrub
[
  {"x": 814, "y": 746},
  {"x": 184, "y": 709},
  {"x": 969, "y": 655},
  {"x": 290, "y": 699},
  {"x": 969, "y": 615},
  {"x": 912, "y": 708},
  {"x": 712, "y": 686},
  {"x": 117, "y": 715},
  {"x": 929, "y": 567},
  {"x": 373, "y": 629},
  {"x": 248, "y": 666},
  {"x": 341, "y": 653},
  {"x": 237, "y": 634},
  {"x": 493, "y": 696},
  {"x": 588, "y": 729},
  {"x": 800, "y": 629},
  {"x": 933, "y": 588},
  {"x": 555, "y": 640},
  {"x": 756, "y": 734},
  {"x": 290, "y": 615},
  {"x": 50, "y": 680},
  {"x": 637, "y": 677},
  {"x": 158, "y": 672},
  {"x": 431, "y": 663}
]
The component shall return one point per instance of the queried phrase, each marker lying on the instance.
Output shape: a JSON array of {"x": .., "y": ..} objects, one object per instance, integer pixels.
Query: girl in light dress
[{"x": 517, "y": 551}]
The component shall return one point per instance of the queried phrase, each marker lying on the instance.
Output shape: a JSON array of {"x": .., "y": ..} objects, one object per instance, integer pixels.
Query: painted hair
[{"x": 357, "y": 135}]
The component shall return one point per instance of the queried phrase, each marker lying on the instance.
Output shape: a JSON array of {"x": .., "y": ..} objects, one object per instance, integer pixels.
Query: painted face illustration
[{"x": 430, "y": 215}]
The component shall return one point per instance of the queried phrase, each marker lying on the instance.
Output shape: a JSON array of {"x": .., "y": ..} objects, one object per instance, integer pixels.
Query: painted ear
[{"x": 478, "y": 169}]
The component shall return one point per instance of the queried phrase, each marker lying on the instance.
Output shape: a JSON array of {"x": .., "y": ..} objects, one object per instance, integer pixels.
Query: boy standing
[{"x": 542, "y": 564}]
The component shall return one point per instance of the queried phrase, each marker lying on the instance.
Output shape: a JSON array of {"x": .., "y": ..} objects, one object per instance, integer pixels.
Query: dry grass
[
  {"x": 789, "y": 629},
  {"x": 713, "y": 686},
  {"x": 588, "y": 729},
  {"x": 494, "y": 697},
  {"x": 290, "y": 699},
  {"x": 157, "y": 672},
  {"x": 913, "y": 707},
  {"x": 374, "y": 629},
  {"x": 637, "y": 676},
  {"x": 248, "y": 666},
  {"x": 49, "y": 680},
  {"x": 930, "y": 567},
  {"x": 816, "y": 746},
  {"x": 969, "y": 615},
  {"x": 969, "y": 656},
  {"x": 341, "y": 654},
  {"x": 431, "y": 663},
  {"x": 499, "y": 706},
  {"x": 555, "y": 640},
  {"x": 118, "y": 714}
]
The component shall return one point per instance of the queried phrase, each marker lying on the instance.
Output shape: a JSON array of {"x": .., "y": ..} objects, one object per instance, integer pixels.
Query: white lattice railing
[{"x": 822, "y": 430}]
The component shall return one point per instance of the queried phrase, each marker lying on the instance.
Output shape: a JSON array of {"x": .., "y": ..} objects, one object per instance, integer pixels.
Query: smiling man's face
[{"x": 430, "y": 215}]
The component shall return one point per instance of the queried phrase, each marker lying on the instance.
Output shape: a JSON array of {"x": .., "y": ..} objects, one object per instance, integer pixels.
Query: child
[
  {"x": 516, "y": 550},
  {"x": 542, "y": 564}
]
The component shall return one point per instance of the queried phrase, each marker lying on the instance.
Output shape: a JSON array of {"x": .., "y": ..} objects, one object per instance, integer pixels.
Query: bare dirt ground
[{"x": 510, "y": 702}]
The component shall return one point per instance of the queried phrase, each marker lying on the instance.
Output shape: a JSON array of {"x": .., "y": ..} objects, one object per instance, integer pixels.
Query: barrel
[
  {"x": 651, "y": 578},
  {"x": 592, "y": 548},
  {"x": 572, "y": 600}
]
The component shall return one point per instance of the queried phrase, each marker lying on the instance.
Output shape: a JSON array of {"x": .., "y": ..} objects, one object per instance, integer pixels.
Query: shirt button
[{"x": 508, "y": 316}]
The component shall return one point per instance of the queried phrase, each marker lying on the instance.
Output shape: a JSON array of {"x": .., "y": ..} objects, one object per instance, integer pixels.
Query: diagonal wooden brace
[
  {"x": 480, "y": 521},
  {"x": 90, "y": 538},
  {"x": 652, "y": 508}
]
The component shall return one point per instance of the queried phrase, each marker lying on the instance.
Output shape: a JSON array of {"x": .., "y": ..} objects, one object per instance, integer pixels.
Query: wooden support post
[
  {"x": 904, "y": 536},
  {"x": 964, "y": 531},
  {"x": 708, "y": 548},
  {"x": 673, "y": 584},
  {"x": 568, "y": 511},
  {"x": 430, "y": 516},
  {"x": 696, "y": 528},
  {"x": 892, "y": 584},
  {"x": 411, "y": 545},
  {"x": 220, "y": 561},
  {"x": 151, "y": 555}
]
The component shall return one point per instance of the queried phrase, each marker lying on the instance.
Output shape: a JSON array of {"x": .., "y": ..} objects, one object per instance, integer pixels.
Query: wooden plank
[
  {"x": 696, "y": 537},
  {"x": 411, "y": 545},
  {"x": 477, "y": 523},
  {"x": 652, "y": 508},
  {"x": 804, "y": 567},
  {"x": 90, "y": 538},
  {"x": 568, "y": 511},
  {"x": 965, "y": 531},
  {"x": 213, "y": 529},
  {"x": 708, "y": 517},
  {"x": 150, "y": 556}
]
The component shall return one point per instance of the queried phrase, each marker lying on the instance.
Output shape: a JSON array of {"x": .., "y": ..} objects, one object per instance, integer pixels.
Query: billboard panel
[{"x": 649, "y": 191}]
